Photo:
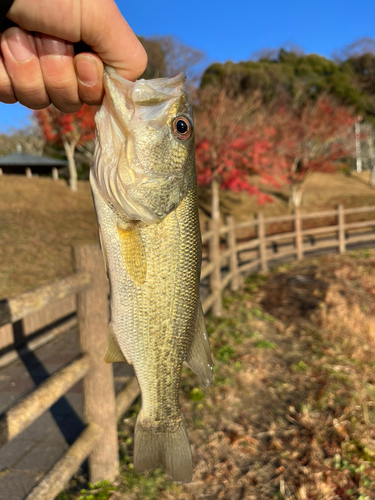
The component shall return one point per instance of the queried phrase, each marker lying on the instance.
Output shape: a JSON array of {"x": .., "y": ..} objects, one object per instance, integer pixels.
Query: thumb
[{"x": 105, "y": 30}]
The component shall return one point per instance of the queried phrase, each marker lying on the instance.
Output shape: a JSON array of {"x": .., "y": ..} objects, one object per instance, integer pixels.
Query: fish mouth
[
  {"x": 143, "y": 100},
  {"x": 118, "y": 172},
  {"x": 148, "y": 92}
]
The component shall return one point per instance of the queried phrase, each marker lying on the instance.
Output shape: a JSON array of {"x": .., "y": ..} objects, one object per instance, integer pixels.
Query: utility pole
[
  {"x": 371, "y": 154},
  {"x": 357, "y": 130}
]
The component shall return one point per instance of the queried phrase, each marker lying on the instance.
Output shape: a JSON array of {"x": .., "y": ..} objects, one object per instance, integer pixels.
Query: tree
[
  {"x": 30, "y": 140},
  {"x": 312, "y": 138},
  {"x": 360, "y": 47},
  {"x": 156, "y": 64},
  {"x": 167, "y": 56},
  {"x": 228, "y": 144},
  {"x": 302, "y": 77},
  {"x": 70, "y": 130},
  {"x": 358, "y": 59}
]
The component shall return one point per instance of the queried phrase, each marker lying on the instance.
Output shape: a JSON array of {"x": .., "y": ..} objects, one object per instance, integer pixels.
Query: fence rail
[
  {"x": 227, "y": 258},
  {"x": 227, "y": 255}
]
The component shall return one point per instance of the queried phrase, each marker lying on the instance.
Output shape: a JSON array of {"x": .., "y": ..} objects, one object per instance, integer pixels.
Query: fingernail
[
  {"x": 20, "y": 44},
  {"x": 52, "y": 46},
  {"x": 87, "y": 71}
]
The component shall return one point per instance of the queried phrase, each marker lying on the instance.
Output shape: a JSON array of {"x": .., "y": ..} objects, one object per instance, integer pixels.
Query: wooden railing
[
  {"x": 229, "y": 251},
  {"x": 98, "y": 441}
]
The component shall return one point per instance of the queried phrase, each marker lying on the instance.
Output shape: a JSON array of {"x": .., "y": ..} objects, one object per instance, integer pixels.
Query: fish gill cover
[{"x": 135, "y": 155}]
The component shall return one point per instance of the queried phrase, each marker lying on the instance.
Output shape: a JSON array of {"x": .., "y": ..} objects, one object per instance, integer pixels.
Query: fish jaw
[{"x": 140, "y": 165}]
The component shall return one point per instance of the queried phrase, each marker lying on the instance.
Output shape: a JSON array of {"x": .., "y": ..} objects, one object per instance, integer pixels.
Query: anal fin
[
  {"x": 199, "y": 357},
  {"x": 113, "y": 353}
]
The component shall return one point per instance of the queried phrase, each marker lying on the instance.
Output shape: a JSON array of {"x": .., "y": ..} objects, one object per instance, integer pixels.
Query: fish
[{"x": 144, "y": 184}]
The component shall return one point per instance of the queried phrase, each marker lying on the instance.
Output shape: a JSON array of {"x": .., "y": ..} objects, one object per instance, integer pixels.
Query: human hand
[{"x": 38, "y": 65}]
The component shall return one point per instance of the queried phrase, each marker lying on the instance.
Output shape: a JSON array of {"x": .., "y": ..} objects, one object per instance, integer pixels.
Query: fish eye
[{"x": 182, "y": 128}]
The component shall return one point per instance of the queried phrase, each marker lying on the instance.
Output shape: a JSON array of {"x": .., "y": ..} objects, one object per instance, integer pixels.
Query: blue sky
[{"x": 238, "y": 28}]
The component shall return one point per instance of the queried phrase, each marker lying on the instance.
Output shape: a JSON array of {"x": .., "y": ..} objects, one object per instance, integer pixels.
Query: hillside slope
[{"x": 40, "y": 219}]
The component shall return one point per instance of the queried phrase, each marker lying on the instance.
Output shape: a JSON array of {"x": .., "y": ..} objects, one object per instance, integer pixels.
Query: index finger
[{"x": 98, "y": 23}]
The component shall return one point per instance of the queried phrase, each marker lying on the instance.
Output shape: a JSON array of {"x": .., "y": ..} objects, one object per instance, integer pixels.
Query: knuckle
[
  {"x": 90, "y": 96},
  {"x": 6, "y": 92},
  {"x": 33, "y": 100},
  {"x": 7, "y": 98},
  {"x": 67, "y": 108}
]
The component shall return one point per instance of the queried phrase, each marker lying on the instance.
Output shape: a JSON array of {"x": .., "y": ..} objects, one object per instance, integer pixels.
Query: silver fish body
[{"x": 145, "y": 191}]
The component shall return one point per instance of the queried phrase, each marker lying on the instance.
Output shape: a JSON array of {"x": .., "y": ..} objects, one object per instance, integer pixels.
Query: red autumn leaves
[
  {"x": 238, "y": 136},
  {"x": 280, "y": 142}
]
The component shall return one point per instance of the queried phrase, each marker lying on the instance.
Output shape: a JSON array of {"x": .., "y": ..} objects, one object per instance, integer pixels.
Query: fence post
[
  {"x": 233, "y": 259},
  {"x": 298, "y": 230},
  {"x": 215, "y": 276},
  {"x": 262, "y": 243},
  {"x": 341, "y": 223},
  {"x": 98, "y": 385}
]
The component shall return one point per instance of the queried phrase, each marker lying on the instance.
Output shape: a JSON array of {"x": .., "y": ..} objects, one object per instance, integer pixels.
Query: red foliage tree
[
  {"x": 312, "y": 138},
  {"x": 229, "y": 146},
  {"x": 68, "y": 129}
]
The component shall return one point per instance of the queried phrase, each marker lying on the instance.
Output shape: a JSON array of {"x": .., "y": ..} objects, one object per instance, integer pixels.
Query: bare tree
[
  {"x": 156, "y": 64},
  {"x": 273, "y": 54},
  {"x": 360, "y": 47},
  {"x": 30, "y": 140},
  {"x": 167, "y": 56}
]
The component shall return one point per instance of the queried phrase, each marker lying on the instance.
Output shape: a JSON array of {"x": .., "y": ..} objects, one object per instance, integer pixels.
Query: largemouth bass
[{"x": 144, "y": 186}]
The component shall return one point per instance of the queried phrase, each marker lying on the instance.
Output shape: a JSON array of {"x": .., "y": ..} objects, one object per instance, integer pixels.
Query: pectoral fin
[
  {"x": 113, "y": 352},
  {"x": 133, "y": 253},
  {"x": 199, "y": 357}
]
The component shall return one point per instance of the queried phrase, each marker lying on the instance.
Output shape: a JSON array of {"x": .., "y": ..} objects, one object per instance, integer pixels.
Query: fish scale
[{"x": 147, "y": 209}]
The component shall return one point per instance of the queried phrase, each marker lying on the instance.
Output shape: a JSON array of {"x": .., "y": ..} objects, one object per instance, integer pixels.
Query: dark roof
[{"x": 26, "y": 160}]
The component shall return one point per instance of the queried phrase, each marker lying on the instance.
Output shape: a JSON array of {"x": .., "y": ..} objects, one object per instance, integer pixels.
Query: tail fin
[{"x": 169, "y": 448}]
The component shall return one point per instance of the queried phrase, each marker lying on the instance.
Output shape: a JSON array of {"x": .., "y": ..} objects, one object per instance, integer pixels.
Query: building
[{"x": 29, "y": 165}]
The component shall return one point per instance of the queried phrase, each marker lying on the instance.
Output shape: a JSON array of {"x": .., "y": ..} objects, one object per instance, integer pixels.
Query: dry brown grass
[
  {"x": 322, "y": 191},
  {"x": 40, "y": 219}
]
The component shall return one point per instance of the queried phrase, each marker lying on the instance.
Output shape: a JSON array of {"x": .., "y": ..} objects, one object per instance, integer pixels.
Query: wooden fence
[
  {"x": 229, "y": 251},
  {"x": 98, "y": 441},
  {"x": 265, "y": 242}
]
